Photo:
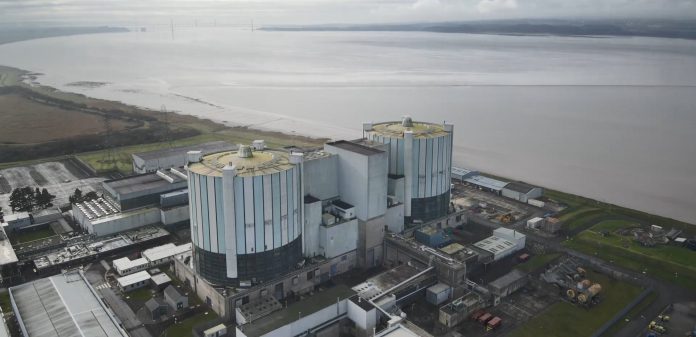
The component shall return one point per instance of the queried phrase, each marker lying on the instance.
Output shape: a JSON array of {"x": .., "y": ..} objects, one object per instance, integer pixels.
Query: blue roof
[{"x": 486, "y": 182}]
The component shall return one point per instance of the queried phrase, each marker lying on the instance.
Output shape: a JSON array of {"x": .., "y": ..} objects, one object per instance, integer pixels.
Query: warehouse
[
  {"x": 502, "y": 243},
  {"x": 133, "y": 281},
  {"x": 508, "y": 283},
  {"x": 152, "y": 161},
  {"x": 486, "y": 184},
  {"x": 62, "y": 305},
  {"x": 522, "y": 191}
]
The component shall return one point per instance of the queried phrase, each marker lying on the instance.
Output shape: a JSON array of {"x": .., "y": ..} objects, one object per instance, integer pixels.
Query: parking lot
[{"x": 59, "y": 178}]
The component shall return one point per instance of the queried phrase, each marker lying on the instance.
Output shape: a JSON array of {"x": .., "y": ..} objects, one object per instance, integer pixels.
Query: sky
[{"x": 274, "y": 12}]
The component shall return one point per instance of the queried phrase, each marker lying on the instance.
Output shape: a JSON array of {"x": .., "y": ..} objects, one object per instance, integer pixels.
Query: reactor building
[
  {"x": 245, "y": 214},
  {"x": 420, "y": 165}
]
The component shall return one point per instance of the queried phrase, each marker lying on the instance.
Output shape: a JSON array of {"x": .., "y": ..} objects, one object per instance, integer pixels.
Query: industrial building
[
  {"x": 502, "y": 243},
  {"x": 152, "y": 257},
  {"x": 522, "y": 192},
  {"x": 133, "y": 281},
  {"x": 62, "y": 305},
  {"x": 420, "y": 164},
  {"x": 152, "y": 161},
  {"x": 135, "y": 201}
]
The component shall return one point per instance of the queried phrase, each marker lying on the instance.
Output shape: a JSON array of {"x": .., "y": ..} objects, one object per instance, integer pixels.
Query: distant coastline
[
  {"x": 9, "y": 35},
  {"x": 678, "y": 29}
]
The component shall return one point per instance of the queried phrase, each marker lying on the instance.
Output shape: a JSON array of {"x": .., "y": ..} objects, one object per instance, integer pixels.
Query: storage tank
[
  {"x": 421, "y": 153},
  {"x": 245, "y": 215}
]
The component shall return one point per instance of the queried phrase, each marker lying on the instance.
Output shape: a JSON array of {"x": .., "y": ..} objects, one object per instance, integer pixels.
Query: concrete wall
[
  {"x": 203, "y": 289},
  {"x": 124, "y": 221},
  {"x": 320, "y": 177},
  {"x": 338, "y": 239},
  {"x": 174, "y": 215},
  {"x": 370, "y": 238},
  {"x": 364, "y": 320},
  {"x": 308, "y": 322},
  {"x": 312, "y": 221},
  {"x": 396, "y": 187},
  {"x": 395, "y": 218}
]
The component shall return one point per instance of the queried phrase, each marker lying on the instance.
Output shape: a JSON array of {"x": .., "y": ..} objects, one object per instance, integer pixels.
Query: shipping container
[
  {"x": 437, "y": 294},
  {"x": 494, "y": 322},
  {"x": 524, "y": 257},
  {"x": 537, "y": 203},
  {"x": 485, "y": 318}
]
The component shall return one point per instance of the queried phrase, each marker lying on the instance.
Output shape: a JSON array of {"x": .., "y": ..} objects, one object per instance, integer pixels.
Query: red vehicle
[
  {"x": 494, "y": 323},
  {"x": 485, "y": 318},
  {"x": 523, "y": 258}
]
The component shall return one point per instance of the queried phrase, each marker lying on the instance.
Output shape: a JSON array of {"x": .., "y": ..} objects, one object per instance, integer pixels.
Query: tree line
[{"x": 26, "y": 199}]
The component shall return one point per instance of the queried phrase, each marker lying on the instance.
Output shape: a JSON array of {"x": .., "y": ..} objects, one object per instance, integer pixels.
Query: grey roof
[
  {"x": 62, "y": 305},
  {"x": 355, "y": 147},
  {"x": 519, "y": 186},
  {"x": 205, "y": 148},
  {"x": 486, "y": 182},
  {"x": 7, "y": 253},
  {"x": 508, "y": 279},
  {"x": 154, "y": 304},
  {"x": 141, "y": 182},
  {"x": 172, "y": 293},
  {"x": 463, "y": 172}
]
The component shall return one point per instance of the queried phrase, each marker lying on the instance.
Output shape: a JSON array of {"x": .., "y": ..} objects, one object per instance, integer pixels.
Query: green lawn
[
  {"x": 184, "y": 328},
  {"x": 662, "y": 261},
  {"x": 27, "y": 236},
  {"x": 142, "y": 294},
  {"x": 632, "y": 314},
  {"x": 537, "y": 261},
  {"x": 577, "y": 321}
]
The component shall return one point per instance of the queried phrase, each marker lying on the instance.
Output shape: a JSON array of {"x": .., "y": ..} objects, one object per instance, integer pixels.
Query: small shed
[
  {"x": 175, "y": 299},
  {"x": 437, "y": 294},
  {"x": 156, "y": 308},
  {"x": 508, "y": 283},
  {"x": 161, "y": 280}
]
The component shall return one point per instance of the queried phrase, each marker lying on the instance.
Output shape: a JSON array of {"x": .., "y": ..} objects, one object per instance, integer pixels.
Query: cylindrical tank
[
  {"x": 594, "y": 289},
  {"x": 570, "y": 293},
  {"x": 421, "y": 153},
  {"x": 245, "y": 215}
]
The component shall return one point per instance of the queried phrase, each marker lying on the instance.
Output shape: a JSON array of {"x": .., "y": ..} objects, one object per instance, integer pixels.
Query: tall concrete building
[
  {"x": 420, "y": 165},
  {"x": 245, "y": 214}
]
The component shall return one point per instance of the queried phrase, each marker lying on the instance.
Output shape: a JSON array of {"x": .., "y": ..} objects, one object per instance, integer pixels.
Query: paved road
[
  {"x": 668, "y": 293},
  {"x": 130, "y": 322}
]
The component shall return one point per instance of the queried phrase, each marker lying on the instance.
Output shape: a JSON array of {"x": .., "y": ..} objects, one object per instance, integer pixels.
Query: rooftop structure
[
  {"x": 257, "y": 163},
  {"x": 502, "y": 243},
  {"x": 396, "y": 129},
  {"x": 132, "y": 279},
  {"x": 62, "y": 305},
  {"x": 145, "y": 182},
  {"x": 355, "y": 147}
]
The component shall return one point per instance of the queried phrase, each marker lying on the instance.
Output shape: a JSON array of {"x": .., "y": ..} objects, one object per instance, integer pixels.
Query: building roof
[
  {"x": 462, "y": 172},
  {"x": 154, "y": 304},
  {"x": 261, "y": 162},
  {"x": 63, "y": 305},
  {"x": 126, "y": 263},
  {"x": 161, "y": 278},
  {"x": 289, "y": 314},
  {"x": 508, "y": 279},
  {"x": 486, "y": 182},
  {"x": 133, "y": 278},
  {"x": 397, "y": 331},
  {"x": 342, "y": 204},
  {"x": 165, "y": 251},
  {"x": 355, "y": 147},
  {"x": 396, "y": 129},
  {"x": 495, "y": 245},
  {"x": 142, "y": 182},
  {"x": 172, "y": 293},
  {"x": 205, "y": 148},
  {"x": 15, "y": 216},
  {"x": 520, "y": 187},
  {"x": 217, "y": 328}
]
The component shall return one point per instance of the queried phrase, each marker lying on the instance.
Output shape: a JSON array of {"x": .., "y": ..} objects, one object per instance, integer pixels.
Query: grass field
[
  {"x": 576, "y": 321},
  {"x": 537, "y": 261},
  {"x": 184, "y": 328},
  {"x": 142, "y": 294},
  {"x": 33, "y": 235},
  {"x": 632, "y": 314},
  {"x": 666, "y": 262},
  {"x": 5, "y": 303}
]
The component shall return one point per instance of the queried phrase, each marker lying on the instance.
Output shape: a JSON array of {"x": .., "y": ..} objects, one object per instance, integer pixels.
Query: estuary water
[{"x": 609, "y": 118}]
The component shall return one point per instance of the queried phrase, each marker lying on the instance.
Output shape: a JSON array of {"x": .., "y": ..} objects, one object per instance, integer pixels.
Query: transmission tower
[
  {"x": 109, "y": 159},
  {"x": 165, "y": 119}
]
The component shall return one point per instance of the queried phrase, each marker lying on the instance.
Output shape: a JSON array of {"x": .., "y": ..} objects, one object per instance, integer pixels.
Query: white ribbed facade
[{"x": 237, "y": 214}]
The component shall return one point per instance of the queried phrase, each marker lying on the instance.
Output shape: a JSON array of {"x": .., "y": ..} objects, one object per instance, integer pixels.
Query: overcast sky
[{"x": 125, "y": 12}]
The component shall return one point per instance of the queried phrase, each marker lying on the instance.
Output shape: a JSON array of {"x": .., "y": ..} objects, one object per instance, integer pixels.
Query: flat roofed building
[
  {"x": 145, "y": 189},
  {"x": 133, "y": 281},
  {"x": 522, "y": 191},
  {"x": 165, "y": 253},
  {"x": 152, "y": 161},
  {"x": 62, "y": 305},
  {"x": 125, "y": 266},
  {"x": 487, "y": 184}
]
